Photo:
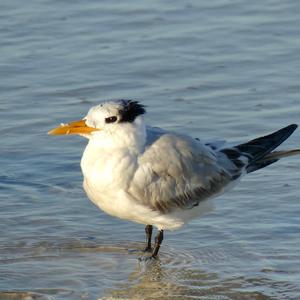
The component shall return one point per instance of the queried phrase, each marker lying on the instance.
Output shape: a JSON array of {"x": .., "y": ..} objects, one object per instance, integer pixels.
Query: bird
[{"x": 157, "y": 177}]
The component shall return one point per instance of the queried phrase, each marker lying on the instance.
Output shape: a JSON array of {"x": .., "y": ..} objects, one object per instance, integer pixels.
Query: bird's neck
[{"x": 127, "y": 140}]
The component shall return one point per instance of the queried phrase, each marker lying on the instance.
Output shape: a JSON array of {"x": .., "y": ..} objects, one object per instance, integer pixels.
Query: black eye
[{"x": 111, "y": 119}]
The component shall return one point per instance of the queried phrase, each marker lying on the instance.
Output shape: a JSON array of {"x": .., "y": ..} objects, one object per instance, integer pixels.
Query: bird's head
[{"x": 111, "y": 118}]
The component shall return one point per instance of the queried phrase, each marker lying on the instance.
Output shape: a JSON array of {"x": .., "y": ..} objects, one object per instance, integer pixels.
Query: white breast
[{"x": 106, "y": 179}]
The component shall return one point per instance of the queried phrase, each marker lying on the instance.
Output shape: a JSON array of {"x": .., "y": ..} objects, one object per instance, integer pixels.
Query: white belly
[{"x": 122, "y": 206}]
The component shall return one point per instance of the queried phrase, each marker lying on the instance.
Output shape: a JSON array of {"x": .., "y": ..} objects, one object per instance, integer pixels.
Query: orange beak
[{"x": 77, "y": 127}]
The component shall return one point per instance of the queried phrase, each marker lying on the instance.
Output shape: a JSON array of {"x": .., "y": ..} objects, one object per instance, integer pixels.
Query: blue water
[{"x": 217, "y": 69}]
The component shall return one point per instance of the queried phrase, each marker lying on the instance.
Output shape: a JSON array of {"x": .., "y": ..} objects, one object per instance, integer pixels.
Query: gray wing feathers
[
  {"x": 193, "y": 197},
  {"x": 280, "y": 154},
  {"x": 177, "y": 172}
]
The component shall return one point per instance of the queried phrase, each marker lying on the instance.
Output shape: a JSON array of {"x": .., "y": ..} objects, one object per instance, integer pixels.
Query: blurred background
[{"x": 226, "y": 69}]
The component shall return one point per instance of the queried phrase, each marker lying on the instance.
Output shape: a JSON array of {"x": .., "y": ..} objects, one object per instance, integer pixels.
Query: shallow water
[{"x": 218, "y": 69}]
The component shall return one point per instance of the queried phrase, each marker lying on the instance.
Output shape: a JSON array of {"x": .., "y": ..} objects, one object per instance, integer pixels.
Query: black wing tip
[
  {"x": 293, "y": 127},
  {"x": 288, "y": 130}
]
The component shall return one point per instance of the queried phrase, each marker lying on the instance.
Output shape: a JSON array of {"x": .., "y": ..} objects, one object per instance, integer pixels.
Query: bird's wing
[{"x": 176, "y": 171}]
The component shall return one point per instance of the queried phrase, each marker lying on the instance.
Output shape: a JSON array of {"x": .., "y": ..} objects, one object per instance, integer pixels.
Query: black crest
[{"x": 130, "y": 110}]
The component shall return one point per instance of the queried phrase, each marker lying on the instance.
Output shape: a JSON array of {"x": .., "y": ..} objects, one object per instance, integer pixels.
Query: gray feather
[{"x": 280, "y": 154}]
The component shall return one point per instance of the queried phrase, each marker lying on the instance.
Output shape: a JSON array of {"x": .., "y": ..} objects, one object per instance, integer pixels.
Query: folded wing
[{"x": 178, "y": 172}]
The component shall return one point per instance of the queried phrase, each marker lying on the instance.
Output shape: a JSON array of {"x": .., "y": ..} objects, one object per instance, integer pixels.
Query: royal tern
[{"x": 159, "y": 178}]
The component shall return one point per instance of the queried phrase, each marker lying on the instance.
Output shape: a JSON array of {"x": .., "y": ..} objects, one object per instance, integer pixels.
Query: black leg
[
  {"x": 148, "y": 230},
  {"x": 158, "y": 240}
]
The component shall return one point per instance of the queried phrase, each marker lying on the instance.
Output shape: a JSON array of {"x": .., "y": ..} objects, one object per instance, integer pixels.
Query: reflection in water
[
  {"x": 179, "y": 276},
  {"x": 121, "y": 271}
]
